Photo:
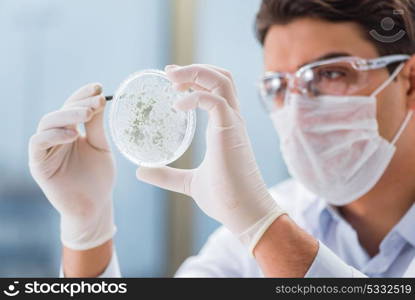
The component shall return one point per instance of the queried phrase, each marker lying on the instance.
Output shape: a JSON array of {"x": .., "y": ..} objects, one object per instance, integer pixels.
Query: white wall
[{"x": 48, "y": 49}]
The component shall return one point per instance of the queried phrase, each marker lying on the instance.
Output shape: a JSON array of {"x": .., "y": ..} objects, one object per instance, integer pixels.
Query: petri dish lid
[{"x": 143, "y": 123}]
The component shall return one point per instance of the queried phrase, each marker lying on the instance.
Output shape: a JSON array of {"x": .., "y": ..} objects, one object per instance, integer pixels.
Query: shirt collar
[
  {"x": 406, "y": 225},
  {"x": 317, "y": 211},
  {"x": 316, "y": 206},
  {"x": 324, "y": 211},
  {"x": 319, "y": 214}
]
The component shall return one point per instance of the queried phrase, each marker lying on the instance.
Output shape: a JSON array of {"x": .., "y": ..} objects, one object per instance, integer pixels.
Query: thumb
[
  {"x": 94, "y": 128},
  {"x": 218, "y": 110},
  {"x": 172, "y": 179}
]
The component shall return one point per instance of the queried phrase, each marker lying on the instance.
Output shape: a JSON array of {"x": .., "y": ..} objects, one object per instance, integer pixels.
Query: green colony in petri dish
[{"x": 144, "y": 125}]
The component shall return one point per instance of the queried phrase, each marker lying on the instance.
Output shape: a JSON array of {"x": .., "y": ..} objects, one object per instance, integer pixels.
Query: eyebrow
[{"x": 326, "y": 56}]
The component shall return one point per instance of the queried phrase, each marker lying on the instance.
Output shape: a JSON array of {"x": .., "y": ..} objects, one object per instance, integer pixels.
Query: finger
[
  {"x": 42, "y": 141},
  {"x": 94, "y": 128},
  {"x": 67, "y": 117},
  {"x": 205, "y": 77},
  {"x": 95, "y": 102},
  {"x": 186, "y": 86},
  {"x": 219, "y": 69},
  {"x": 91, "y": 89},
  {"x": 172, "y": 179},
  {"x": 200, "y": 75},
  {"x": 225, "y": 73},
  {"x": 217, "y": 108}
]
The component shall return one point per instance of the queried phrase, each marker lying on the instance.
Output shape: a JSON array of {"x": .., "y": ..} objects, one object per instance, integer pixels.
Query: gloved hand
[
  {"x": 76, "y": 172},
  {"x": 227, "y": 185}
]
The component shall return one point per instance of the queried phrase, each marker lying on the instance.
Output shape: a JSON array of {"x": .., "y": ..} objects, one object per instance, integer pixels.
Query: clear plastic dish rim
[{"x": 188, "y": 137}]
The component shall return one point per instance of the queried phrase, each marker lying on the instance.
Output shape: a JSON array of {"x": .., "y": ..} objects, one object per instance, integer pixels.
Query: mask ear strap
[
  {"x": 403, "y": 126},
  {"x": 390, "y": 79}
]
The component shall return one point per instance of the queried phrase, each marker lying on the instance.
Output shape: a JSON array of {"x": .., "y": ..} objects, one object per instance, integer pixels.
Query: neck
[{"x": 377, "y": 212}]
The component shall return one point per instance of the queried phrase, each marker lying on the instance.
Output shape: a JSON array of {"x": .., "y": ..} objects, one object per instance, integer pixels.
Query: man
[{"x": 341, "y": 100}]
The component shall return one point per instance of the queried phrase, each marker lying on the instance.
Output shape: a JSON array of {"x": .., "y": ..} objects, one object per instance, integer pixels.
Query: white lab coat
[{"x": 224, "y": 256}]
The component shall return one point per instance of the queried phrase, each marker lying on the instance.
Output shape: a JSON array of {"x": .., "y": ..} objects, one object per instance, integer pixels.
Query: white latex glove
[
  {"x": 227, "y": 185},
  {"x": 76, "y": 172}
]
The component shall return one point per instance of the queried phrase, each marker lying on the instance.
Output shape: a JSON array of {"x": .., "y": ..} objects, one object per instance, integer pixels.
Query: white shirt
[{"x": 339, "y": 254}]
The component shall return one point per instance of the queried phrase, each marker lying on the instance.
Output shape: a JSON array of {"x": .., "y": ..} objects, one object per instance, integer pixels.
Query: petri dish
[{"x": 144, "y": 126}]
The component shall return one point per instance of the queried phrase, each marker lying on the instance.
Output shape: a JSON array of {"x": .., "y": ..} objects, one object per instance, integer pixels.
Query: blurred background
[{"x": 49, "y": 48}]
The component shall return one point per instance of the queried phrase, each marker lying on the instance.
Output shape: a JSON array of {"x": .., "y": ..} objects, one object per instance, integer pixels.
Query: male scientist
[{"x": 339, "y": 87}]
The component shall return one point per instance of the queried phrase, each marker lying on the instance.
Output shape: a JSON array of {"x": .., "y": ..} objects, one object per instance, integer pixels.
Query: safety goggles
[{"x": 342, "y": 76}]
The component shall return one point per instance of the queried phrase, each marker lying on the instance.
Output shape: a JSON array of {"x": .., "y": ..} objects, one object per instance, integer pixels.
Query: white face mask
[{"x": 332, "y": 144}]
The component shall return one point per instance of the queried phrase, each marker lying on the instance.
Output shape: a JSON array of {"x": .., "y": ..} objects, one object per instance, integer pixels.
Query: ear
[{"x": 409, "y": 77}]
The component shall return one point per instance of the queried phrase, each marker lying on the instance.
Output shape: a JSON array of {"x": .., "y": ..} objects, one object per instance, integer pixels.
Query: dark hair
[{"x": 369, "y": 14}]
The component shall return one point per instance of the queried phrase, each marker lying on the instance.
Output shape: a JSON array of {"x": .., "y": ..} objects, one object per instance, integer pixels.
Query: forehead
[{"x": 288, "y": 47}]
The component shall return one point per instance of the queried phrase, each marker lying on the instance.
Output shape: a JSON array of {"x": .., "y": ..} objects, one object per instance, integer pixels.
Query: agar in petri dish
[{"x": 144, "y": 125}]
